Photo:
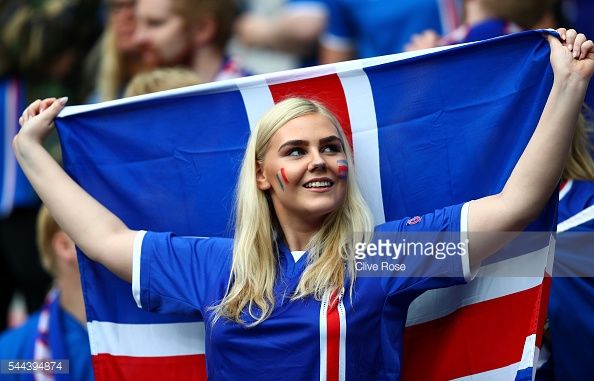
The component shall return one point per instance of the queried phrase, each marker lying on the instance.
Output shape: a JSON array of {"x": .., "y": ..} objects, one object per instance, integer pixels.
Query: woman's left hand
[{"x": 572, "y": 58}]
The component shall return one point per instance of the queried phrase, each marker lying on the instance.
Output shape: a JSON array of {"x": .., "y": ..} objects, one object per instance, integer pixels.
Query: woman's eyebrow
[
  {"x": 293, "y": 143},
  {"x": 330, "y": 139}
]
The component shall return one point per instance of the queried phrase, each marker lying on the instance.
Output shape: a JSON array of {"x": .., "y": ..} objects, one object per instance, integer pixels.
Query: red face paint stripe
[{"x": 284, "y": 175}]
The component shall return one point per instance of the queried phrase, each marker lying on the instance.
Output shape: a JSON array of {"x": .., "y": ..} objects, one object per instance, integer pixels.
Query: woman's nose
[{"x": 317, "y": 164}]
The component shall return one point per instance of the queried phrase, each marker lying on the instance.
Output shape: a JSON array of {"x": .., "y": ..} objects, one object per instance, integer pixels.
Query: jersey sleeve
[
  {"x": 433, "y": 251},
  {"x": 173, "y": 274},
  {"x": 340, "y": 31}
]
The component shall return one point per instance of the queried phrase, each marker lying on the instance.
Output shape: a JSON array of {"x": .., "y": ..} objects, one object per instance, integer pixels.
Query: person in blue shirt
[
  {"x": 567, "y": 348},
  {"x": 484, "y": 19},
  {"x": 57, "y": 331},
  {"x": 366, "y": 28},
  {"x": 284, "y": 297}
]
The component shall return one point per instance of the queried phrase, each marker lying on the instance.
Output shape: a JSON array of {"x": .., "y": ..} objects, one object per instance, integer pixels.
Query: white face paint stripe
[{"x": 359, "y": 97}]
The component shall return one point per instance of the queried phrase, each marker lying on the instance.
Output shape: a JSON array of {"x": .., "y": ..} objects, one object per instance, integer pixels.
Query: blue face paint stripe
[{"x": 280, "y": 182}]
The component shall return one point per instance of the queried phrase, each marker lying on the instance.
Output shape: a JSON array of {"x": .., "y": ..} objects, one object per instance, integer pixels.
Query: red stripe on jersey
[
  {"x": 284, "y": 176},
  {"x": 326, "y": 89},
  {"x": 485, "y": 339},
  {"x": 333, "y": 338}
]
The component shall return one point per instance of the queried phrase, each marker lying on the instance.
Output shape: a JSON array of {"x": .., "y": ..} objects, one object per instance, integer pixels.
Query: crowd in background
[{"x": 94, "y": 50}]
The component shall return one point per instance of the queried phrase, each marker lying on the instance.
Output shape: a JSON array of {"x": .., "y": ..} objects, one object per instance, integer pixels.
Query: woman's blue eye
[
  {"x": 296, "y": 152},
  {"x": 331, "y": 148}
]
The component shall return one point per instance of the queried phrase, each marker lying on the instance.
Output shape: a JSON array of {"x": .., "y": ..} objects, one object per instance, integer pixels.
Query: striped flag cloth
[{"x": 428, "y": 130}]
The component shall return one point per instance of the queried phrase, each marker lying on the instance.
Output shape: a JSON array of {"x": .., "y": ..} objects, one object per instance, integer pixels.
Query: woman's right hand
[
  {"x": 37, "y": 119},
  {"x": 572, "y": 57}
]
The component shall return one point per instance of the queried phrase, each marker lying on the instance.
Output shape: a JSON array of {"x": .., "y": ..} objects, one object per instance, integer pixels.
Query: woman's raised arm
[
  {"x": 98, "y": 232},
  {"x": 539, "y": 169}
]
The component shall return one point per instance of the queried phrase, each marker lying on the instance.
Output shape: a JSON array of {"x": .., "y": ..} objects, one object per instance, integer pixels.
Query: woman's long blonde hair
[
  {"x": 580, "y": 165},
  {"x": 254, "y": 269}
]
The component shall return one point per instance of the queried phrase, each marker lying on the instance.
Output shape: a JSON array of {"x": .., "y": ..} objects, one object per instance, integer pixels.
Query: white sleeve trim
[
  {"x": 469, "y": 273},
  {"x": 136, "y": 252}
]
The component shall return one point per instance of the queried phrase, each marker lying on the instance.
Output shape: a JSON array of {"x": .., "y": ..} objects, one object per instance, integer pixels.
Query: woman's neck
[{"x": 298, "y": 233}]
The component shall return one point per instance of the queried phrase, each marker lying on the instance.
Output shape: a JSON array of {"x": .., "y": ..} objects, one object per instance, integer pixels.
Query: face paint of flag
[
  {"x": 343, "y": 169},
  {"x": 284, "y": 178}
]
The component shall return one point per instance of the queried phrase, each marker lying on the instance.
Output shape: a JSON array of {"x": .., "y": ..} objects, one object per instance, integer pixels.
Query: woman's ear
[{"x": 261, "y": 180}]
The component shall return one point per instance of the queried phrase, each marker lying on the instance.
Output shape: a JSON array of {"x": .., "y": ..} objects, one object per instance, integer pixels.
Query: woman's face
[{"x": 305, "y": 170}]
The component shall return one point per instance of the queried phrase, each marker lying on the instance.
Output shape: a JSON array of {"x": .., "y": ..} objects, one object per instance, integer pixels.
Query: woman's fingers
[
  {"x": 45, "y": 104},
  {"x": 570, "y": 36},
  {"x": 587, "y": 48},
  {"x": 562, "y": 32},
  {"x": 40, "y": 107},
  {"x": 32, "y": 110},
  {"x": 577, "y": 45}
]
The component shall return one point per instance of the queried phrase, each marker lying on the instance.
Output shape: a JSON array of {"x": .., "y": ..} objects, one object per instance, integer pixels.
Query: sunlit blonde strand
[{"x": 580, "y": 165}]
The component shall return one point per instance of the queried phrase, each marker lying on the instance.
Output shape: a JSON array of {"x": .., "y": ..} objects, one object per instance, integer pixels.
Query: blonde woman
[{"x": 282, "y": 300}]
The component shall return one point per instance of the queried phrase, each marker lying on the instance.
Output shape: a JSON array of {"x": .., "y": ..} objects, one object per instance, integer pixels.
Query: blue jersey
[
  {"x": 358, "y": 337},
  {"x": 378, "y": 27},
  {"x": 571, "y": 303}
]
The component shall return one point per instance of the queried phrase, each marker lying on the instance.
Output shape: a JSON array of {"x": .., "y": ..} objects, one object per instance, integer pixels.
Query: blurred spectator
[
  {"x": 58, "y": 330},
  {"x": 485, "y": 19},
  {"x": 360, "y": 29},
  {"x": 160, "y": 80},
  {"x": 41, "y": 48},
  {"x": 295, "y": 28},
  {"x": 567, "y": 350},
  {"x": 45, "y": 42},
  {"x": 116, "y": 58},
  {"x": 187, "y": 33}
]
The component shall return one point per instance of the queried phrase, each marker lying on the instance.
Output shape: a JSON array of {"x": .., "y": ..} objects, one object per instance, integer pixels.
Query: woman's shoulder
[
  {"x": 447, "y": 218},
  {"x": 216, "y": 247}
]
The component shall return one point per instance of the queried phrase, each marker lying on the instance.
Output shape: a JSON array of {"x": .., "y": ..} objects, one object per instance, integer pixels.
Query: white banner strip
[
  {"x": 359, "y": 97},
  {"x": 146, "y": 340},
  {"x": 257, "y": 99}
]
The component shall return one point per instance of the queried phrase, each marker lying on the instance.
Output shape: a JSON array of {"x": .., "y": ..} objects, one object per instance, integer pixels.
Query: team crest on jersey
[{"x": 413, "y": 221}]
